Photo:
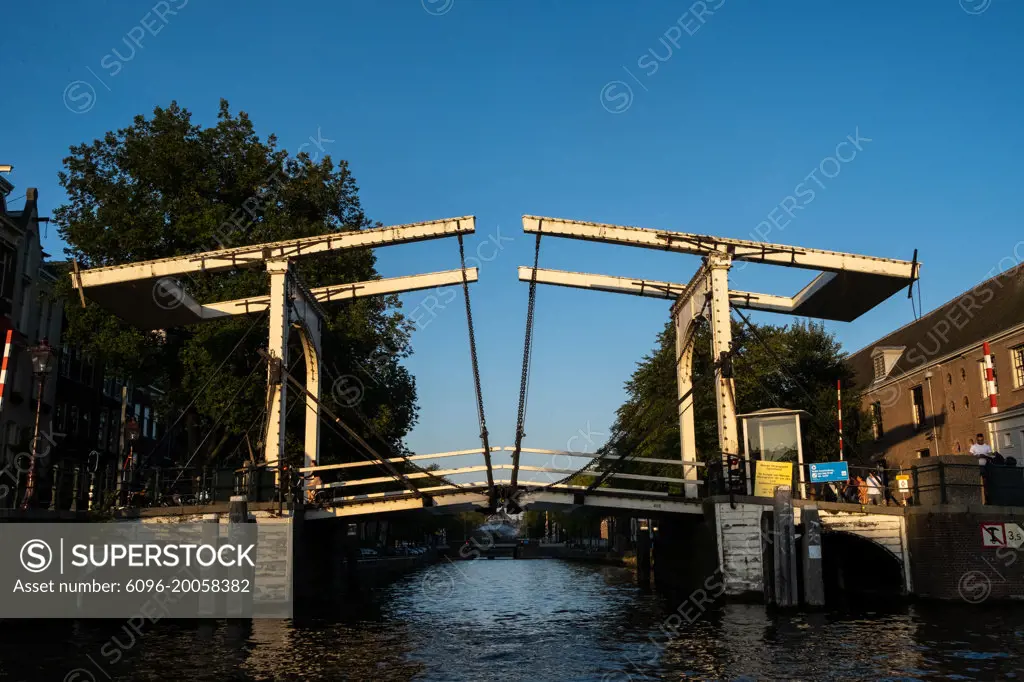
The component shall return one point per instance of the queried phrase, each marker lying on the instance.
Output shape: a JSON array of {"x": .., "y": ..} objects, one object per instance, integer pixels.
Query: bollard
[
  {"x": 239, "y": 604},
  {"x": 810, "y": 546},
  {"x": 768, "y": 557},
  {"x": 76, "y": 489},
  {"x": 643, "y": 556},
  {"x": 784, "y": 547},
  {"x": 210, "y": 536},
  {"x": 55, "y": 487}
]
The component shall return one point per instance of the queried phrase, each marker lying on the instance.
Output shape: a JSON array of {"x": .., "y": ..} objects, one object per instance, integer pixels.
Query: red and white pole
[
  {"x": 839, "y": 402},
  {"x": 990, "y": 378},
  {"x": 3, "y": 367}
]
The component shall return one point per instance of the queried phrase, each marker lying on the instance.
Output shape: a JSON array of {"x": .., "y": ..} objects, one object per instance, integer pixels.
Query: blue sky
[{"x": 640, "y": 113}]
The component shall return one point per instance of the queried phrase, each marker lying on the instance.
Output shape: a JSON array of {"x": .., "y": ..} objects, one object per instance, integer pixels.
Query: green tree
[
  {"x": 794, "y": 366},
  {"x": 166, "y": 186}
]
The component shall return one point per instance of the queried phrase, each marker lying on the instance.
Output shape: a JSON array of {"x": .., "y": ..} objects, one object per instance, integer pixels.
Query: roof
[
  {"x": 773, "y": 412},
  {"x": 988, "y": 308}
]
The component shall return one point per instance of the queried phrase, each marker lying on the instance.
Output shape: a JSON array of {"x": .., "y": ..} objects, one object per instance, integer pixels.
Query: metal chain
[
  {"x": 527, "y": 351},
  {"x": 481, "y": 419}
]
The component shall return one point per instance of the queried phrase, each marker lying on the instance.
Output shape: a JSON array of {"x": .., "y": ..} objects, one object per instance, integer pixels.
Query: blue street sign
[{"x": 824, "y": 472}]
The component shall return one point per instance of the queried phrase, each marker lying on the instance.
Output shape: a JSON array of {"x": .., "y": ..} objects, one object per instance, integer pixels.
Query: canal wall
[
  {"x": 740, "y": 544},
  {"x": 950, "y": 560}
]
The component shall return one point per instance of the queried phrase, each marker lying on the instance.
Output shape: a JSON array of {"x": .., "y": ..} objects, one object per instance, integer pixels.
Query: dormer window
[{"x": 884, "y": 359}]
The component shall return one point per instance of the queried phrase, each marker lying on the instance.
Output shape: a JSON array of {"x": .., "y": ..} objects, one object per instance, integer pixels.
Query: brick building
[
  {"x": 925, "y": 385},
  {"x": 29, "y": 309}
]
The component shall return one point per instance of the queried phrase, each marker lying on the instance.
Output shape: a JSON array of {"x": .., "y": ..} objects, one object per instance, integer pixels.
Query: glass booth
[{"x": 773, "y": 435}]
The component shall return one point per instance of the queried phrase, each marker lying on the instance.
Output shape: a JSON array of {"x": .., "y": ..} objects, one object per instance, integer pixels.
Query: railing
[
  {"x": 73, "y": 486},
  {"x": 954, "y": 483}
]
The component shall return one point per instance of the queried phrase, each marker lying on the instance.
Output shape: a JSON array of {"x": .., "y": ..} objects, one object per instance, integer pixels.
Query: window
[
  {"x": 876, "y": 420},
  {"x": 1007, "y": 440},
  {"x": 73, "y": 420},
  {"x": 65, "y": 361},
  {"x": 115, "y": 430},
  {"x": 61, "y": 417},
  {"x": 1017, "y": 360},
  {"x": 6, "y": 272},
  {"x": 26, "y": 305},
  {"x": 967, "y": 403},
  {"x": 44, "y": 319},
  {"x": 917, "y": 404},
  {"x": 11, "y": 434},
  {"x": 145, "y": 423},
  {"x": 86, "y": 429},
  {"x": 949, "y": 379},
  {"x": 879, "y": 367},
  {"x": 958, "y": 446},
  {"x": 101, "y": 430},
  {"x": 952, "y": 406},
  {"x": 924, "y": 453}
]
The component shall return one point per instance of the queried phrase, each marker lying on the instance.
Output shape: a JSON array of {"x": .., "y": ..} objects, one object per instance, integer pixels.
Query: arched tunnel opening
[{"x": 854, "y": 565}]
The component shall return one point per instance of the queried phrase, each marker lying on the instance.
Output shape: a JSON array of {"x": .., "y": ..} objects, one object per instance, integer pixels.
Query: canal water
[{"x": 534, "y": 620}]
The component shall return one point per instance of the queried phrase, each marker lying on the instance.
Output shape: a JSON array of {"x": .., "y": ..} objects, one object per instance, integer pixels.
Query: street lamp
[
  {"x": 131, "y": 434},
  {"x": 42, "y": 364}
]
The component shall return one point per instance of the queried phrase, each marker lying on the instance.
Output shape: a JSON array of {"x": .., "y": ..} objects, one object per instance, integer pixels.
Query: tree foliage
[
  {"x": 166, "y": 186},
  {"x": 794, "y": 367}
]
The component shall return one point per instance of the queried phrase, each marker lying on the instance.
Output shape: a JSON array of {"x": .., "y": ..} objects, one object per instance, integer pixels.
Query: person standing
[
  {"x": 874, "y": 485},
  {"x": 981, "y": 450},
  {"x": 860, "y": 490}
]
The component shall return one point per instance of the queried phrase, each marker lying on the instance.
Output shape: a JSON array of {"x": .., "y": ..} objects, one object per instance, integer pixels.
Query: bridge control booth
[{"x": 772, "y": 435}]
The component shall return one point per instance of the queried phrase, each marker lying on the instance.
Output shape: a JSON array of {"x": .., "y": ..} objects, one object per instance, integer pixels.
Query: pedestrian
[
  {"x": 874, "y": 488},
  {"x": 981, "y": 450},
  {"x": 860, "y": 491}
]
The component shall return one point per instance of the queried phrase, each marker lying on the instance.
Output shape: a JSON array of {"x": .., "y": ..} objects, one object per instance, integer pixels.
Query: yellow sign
[
  {"x": 903, "y": 483},
  {"x": 770, "y": 475}
]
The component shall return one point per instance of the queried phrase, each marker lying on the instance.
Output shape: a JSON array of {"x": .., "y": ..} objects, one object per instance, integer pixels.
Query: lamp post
[
  {"x": 42, "y": 365},
  {"x": 131, "y": 433}
]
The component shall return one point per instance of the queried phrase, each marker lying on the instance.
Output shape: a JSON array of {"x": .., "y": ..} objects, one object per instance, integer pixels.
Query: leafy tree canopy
[
  {"x": 166, "y": 186},
  {"x": 794, "y": 367}
]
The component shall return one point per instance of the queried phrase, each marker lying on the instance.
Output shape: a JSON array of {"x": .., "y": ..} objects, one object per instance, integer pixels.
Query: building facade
[
  {"x": 925, "y": 385},
  {"x": 31, "y": 312}
]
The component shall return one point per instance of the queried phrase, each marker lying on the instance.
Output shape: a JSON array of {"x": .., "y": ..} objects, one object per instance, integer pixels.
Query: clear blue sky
[{"x": 455, "y": 107}]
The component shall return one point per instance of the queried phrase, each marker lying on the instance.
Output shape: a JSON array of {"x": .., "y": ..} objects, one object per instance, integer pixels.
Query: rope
[
  {"x": 525, "y": 380},
  {"x": 481, "y": 420}
]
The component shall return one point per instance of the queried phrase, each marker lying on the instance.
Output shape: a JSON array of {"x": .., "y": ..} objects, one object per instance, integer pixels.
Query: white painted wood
[
  {"x": 257, "y": 254},
  {"x": 702, "y": 245},
  {"x": 343, "y": 292}
]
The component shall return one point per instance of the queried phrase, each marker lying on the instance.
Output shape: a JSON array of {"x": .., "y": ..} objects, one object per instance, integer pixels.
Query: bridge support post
[
  {"x": 277, "y": 347},
  {"x": 810, "y": 554},
  {"x": 683, "y": 320},
  {"x": 240, "y": 604},
  {"x": 784, "y": 549},
  {"x": 309, "y": 333},
  {"x": 721, "y": 346},
  {"x": 643, "y": 555}
]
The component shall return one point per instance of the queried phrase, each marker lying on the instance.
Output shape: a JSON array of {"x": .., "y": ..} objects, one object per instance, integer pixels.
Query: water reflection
[{"x": 532, "y": 620}]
